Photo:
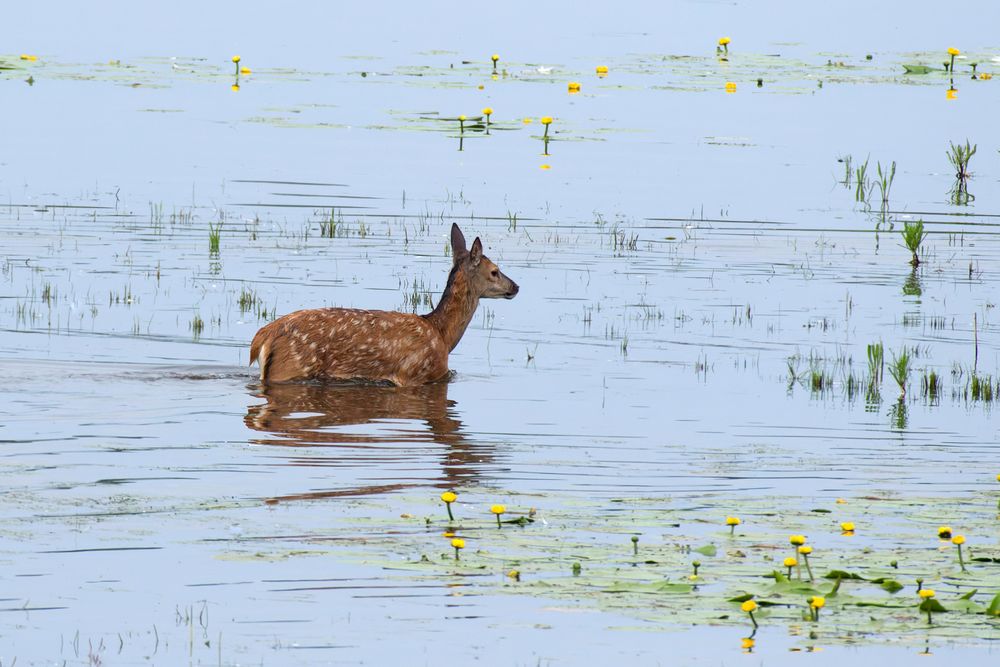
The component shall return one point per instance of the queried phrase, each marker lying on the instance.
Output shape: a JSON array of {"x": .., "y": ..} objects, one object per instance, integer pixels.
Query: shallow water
[{"x": 683, "y": 250}]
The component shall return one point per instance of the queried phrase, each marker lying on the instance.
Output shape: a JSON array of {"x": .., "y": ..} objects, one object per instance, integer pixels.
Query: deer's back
[{"x": 347, "y": 343}]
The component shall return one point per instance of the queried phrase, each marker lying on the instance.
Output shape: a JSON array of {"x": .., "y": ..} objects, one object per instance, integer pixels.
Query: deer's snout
[{"x": 512, "y": 292}]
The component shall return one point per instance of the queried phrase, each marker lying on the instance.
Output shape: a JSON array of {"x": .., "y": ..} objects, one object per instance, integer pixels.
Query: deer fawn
[{"x": 378, "y": 345}]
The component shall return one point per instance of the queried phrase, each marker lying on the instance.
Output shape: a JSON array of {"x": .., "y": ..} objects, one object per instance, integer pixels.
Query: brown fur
[{"x": 378, "y": 345}]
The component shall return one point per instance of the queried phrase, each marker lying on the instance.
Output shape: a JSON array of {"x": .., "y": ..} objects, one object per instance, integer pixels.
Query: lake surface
[{"x": 700, "y": 286}]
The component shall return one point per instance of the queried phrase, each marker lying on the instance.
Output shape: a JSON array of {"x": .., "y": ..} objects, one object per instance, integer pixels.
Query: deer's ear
[
  {"x": 457, "y": 242},
  {"x": 476, "y": 253}
]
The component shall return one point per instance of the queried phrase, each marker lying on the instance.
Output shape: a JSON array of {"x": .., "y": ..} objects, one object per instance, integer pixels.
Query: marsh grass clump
[
  {"x": 621, "y": 241},
  {"x": 876, "y": 371},
  {"x": 913, "y": 236},
  {"x": 884, "y": 181},
  {"x": 900, "y": 368},
  {"x": 983, "y": 388},
  {"x": 214, "y": 237},
  {"x": 931, "y": 386},
  {"x": 862, "y": 184},
  {"x": 197, "y": 326},
  {"x": 959, "y": 157},
  {"x": 328, "y": 227}
]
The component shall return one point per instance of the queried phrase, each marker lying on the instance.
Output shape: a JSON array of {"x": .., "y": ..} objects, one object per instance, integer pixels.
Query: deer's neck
[{"x": 455, "y": 309}]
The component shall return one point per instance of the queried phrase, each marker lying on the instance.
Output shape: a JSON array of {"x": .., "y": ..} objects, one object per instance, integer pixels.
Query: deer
[{"x": 403, "y": 349}]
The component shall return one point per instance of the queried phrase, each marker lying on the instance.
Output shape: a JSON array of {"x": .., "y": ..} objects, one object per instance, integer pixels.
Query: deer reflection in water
[{"x": 313, "y": 415}]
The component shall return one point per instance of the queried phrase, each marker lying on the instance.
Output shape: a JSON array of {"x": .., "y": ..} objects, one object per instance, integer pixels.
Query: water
[{"x": 682, "y": 254}]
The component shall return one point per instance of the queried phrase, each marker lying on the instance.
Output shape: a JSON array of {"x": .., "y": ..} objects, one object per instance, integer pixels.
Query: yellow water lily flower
[
  {"x": 25, "y": 56},
  {"x": 926, "y": 593},
  {"x": 488, "y": 111},
  {"x": 817, "y": 601},
  {"x": 236, "y": 59},
  {"x": 747, "y": 643},
  {"x": 449, "y": 496},
  {"x": 749, "y": 606},
  {"x": 528, "y": 121},
  {"x": 495, "y": 57},
  {"x": 546, "y": 120},
  {"x": 951, "y": 94},
  {"x": 733, "y": 521},
  {"x": 245, "y": 70},
  {"x": 458, "y": 543},
  {"x": 602, "y": 69},
  {"x": 944, "y": 532},
  {"x": 790, "y": 562},
  {"x": 235, "y": 87},
  {"x": 724, "y": 41},
  {"x": 545, "y": 166},
  {"x": 573, "y": 86},
  {"x": 847, "y": 526},
  {"x": 805, "y": 550},
  {"x": 462, "y": 117},
  {"x": 953, "y": 51},
  {"x": 498, "y": 509},
  {"x": 730, "y": 86},
  {"x": 797, "y": 539},
  {"x": 958, "y": 539}
]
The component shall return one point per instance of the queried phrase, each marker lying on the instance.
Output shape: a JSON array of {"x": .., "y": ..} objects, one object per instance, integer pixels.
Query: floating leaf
[
  {"x": 890, "y": 585},
  {"x": 919, "y": 69},
  {"x": 707, "y": 550},
  {"x": 931, "y": 604},
  {"x": 651, "y": 587},
  {"x": 994, "y": 608}
]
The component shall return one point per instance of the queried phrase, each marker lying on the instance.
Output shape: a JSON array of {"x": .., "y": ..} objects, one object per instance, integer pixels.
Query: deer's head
[{"x": 485, "y": 280}]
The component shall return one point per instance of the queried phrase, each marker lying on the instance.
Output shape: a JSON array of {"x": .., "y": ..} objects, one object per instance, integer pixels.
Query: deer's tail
[{"x": 260, "y": 351}]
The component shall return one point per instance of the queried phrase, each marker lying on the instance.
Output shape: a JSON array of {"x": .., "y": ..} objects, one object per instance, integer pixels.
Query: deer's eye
[{"x": 494, "y": 273}]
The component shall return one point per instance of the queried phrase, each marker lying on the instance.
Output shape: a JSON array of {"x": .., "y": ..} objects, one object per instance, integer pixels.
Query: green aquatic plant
[
  {"x": 899, "y": 369},
  {"x": 913, "y": 236},
  {"x": 863, "y": 186},
  {"x": 959, "y": 157},
  {"x": 214, "y": 237},
  {"x": 884, "y": 181},
  {"x": 931, "y": 385},
  {"x": 197, "y": 325},
  {"x": 982, "y": 388},
  {"x": 876, "y": 362},
  {"x": 328, "y": 227},
  {"x": 635, "y": 545}
]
